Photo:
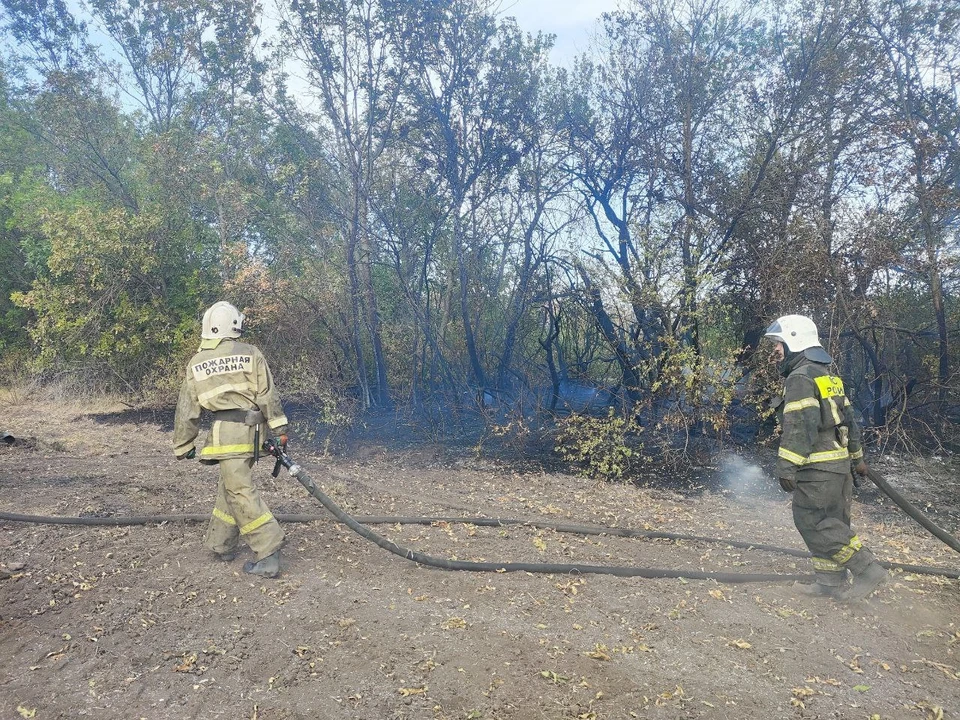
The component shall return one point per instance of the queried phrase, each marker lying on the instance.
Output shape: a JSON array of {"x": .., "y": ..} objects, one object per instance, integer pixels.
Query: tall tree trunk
[
  {"x": 356, "y": 314},
  {"x": 688, "y": 296},
  {"x": 374, "y": 324},
  {"x": 464, "y": 287},
  {"x": 628, "y": 366}
]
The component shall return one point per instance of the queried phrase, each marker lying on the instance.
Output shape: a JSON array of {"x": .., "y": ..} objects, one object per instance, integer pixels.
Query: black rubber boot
[
  {"x": 226, "y": 556},
  {"x": 267, "y": 567},
  {"x": 827, "y": 584},
  {"x": 867, "y": 581}
]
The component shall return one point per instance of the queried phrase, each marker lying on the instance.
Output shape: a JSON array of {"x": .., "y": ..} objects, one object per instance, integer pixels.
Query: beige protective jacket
[{"x": 226, "y": 375}]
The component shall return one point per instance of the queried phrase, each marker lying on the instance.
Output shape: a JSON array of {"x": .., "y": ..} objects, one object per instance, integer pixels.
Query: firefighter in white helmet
[
  {"x": 231, "y": 379},
  {"x": 819, "y": 446}
]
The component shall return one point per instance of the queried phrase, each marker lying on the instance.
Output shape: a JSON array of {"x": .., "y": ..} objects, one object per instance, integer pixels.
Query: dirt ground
[{"x": 141, "y": 622}]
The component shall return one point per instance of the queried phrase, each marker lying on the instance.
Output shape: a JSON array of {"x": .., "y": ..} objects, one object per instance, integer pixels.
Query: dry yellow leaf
[
  {"x": 823, "y": 681},
  {"x": 742, "y": 644},
  {"x": 407, "y": 692},
  {"x": 599, "y": 653},
  {"x": 26, "y": 712}
]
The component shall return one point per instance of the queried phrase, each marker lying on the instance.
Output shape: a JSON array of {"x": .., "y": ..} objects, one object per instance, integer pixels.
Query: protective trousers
[
  {"x": 240, "y": 512},
  {"x": 821, "y": 512}
]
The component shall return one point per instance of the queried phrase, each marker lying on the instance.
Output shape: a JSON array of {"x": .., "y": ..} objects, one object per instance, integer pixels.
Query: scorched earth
[{"x": 139, "y": 621}]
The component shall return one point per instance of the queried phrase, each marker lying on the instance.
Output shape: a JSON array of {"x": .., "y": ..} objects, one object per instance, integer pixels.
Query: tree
[
  {"x": 472, "y": 92},
  {"x": 921, "y": 43},
  {"x": 349, "y": 50}
]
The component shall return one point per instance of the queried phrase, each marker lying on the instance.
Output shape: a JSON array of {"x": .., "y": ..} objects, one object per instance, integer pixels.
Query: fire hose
[
  {"x": 912, "y": 511},
  {"x": 475, "y": 566},
  {"x": 359, "y": 525}
]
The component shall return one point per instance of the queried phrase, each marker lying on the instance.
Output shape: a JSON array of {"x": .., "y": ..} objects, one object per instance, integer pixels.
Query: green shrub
[{"x": 605, "y": 448}]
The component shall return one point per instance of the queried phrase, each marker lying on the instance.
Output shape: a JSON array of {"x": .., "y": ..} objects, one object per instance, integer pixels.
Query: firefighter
[
  {"x": 819, "y": 446},
  {"x": 232, "y": 380}
]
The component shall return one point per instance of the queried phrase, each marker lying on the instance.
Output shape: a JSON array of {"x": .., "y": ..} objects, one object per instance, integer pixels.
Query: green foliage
[
  {"x": 605, "y": 448},
  {"x": 696, "y": 390},
  {"x": 437, "y": 209},
  {"x": 107, "y": 305}
]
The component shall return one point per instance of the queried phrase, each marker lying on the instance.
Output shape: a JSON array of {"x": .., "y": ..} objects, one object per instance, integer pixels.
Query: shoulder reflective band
[{"x": 829, "y": 386}]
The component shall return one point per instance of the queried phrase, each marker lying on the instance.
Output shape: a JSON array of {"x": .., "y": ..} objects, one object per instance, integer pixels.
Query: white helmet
[
  {"x": 221, "y": 320},
  {"x": 797, "y": 332}
]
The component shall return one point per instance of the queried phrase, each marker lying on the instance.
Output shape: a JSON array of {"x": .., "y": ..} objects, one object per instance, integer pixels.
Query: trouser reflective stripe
[
  {"x": 844, "y": 554},
  {"x": 825, "y": 565},
  {"x": 251, "y": 526},
  {"x": 821, "y": 512},
  {"x": 238, "y": 499}
]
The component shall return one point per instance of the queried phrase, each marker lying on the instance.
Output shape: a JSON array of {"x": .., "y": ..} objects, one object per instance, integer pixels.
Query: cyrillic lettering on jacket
[{"x": 222, "y": 366}]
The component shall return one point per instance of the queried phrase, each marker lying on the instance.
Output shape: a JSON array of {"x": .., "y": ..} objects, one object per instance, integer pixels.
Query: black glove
[{"x": 788, "y": 484}]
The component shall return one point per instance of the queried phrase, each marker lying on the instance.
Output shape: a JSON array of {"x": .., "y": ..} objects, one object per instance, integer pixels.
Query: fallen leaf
[
  {"x": 598, "y": 653},
  {"x": 861, "y": 688},
  {"x": 407, "y": 692},
  {"x": 742, "y": 644},
  {"x": 553, "y": 677},
  {"x": 187, "y": 664},
  {"x": 827, "y": 681},
  {"x": 26, "y": 712},
  {"x": 936, "y": 712}
]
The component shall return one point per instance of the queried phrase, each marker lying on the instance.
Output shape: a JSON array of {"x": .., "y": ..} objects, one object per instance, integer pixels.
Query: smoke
[{"x": 743, "y": 477}]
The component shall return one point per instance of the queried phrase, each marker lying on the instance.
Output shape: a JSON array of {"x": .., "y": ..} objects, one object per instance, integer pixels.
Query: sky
[{"x": 572, "y": 21}]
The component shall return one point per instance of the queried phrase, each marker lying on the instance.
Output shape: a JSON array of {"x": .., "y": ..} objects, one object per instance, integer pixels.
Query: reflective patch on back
[
  {"x": 829, "y": 386},
  {"x": 222, "y": 365}
]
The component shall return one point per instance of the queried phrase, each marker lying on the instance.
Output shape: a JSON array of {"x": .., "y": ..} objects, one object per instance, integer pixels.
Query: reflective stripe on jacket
[
  {"x": 817, "y": 422},
  {"x": 229, "y": 375}
]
